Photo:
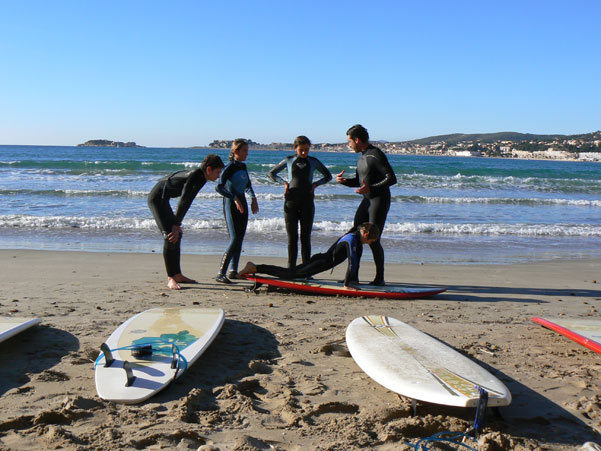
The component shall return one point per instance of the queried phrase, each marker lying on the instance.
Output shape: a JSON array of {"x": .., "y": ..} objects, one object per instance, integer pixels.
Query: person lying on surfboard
[{"x": 349, "y": 246}]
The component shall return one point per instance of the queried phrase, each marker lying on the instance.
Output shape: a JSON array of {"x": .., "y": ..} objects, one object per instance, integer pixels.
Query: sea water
[{"x": 444, "y": 209}]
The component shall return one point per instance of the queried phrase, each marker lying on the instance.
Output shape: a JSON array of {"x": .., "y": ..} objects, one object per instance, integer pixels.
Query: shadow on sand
[
  {"x": 473, "y": 293},
  {"x": 530, "y": 415},
  {"x": 31, "y": 352},
  {"x": 227, "y": 360}
]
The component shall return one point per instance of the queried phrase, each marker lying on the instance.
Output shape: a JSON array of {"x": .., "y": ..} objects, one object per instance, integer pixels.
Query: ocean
[{"x": 452, "y": 210}]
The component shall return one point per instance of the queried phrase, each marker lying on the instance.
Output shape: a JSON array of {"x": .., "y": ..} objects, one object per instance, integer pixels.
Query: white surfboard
[
  {"x": 171, "y": 339},
  {"x": 10, "y": 326},
  {"x": 415, "y": 365}
]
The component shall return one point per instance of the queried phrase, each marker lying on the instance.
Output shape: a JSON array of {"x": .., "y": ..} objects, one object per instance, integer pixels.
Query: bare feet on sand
[
  {"x": 250, "y": 268},
  {"x": 180, "y": 278},
  {"x": 172, "y": 284}
]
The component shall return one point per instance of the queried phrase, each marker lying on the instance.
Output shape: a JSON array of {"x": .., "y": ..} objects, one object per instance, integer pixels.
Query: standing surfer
[
  {"x": 299, "y": 195},
  {"x": 233, "y": 184},
  {"x": 373, "y": 179}
]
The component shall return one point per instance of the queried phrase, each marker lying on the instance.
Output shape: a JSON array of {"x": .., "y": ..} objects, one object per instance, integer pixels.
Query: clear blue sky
[{"x": 184, "y": 73}]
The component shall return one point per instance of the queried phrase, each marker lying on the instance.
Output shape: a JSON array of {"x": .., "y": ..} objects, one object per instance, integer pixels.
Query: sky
[{"x": 183, "y": 73}]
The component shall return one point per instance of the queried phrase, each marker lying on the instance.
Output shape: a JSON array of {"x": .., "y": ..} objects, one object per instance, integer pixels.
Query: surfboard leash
[
  {"x": 445, "y": 436},
  {"x": 454, "y": 437},
  {"x": 178, "y": 362}
]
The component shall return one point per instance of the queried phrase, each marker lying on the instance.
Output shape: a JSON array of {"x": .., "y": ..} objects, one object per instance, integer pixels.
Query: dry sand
[{"x": 279, "y": 375}]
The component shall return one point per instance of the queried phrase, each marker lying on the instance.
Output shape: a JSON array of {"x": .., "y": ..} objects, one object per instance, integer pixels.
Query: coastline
[{"x": 279, "y": 372}]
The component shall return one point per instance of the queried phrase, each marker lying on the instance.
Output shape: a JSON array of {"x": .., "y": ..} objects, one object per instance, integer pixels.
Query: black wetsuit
[
  {"x": 348, "y": 247},
  {"x": 374, "y": 169},
  {"x": 234, "y": 181},
  {"x": 299, "y": 205},
  {"x": 182, "y": 184}
]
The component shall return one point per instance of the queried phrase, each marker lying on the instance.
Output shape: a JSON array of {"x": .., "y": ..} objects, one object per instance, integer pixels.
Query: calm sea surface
[{"x": 444, "y": 209}]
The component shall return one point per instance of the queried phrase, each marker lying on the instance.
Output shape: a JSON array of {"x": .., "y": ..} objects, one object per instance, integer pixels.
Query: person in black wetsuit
[
  {"x": 349, "y": 246},
  {"x": 233, "y": 183},
  {"x": 185, "y": 185},
  {"x": 373, "y": 179},
  {"x": 299, "y": 189}
]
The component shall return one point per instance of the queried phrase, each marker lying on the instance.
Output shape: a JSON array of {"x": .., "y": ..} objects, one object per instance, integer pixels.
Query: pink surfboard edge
[
  {"x": 586, "y": 342},
  {"x": 291, "y": 285}
]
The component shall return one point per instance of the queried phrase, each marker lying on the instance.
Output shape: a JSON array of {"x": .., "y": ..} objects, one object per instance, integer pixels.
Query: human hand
[
  {"x": 254, "y": 206},
  {"x": 239, "y": 205},
  {"x": 313, "y": 188},
  {"x": 340, "y": 178},
  {"x": 363, "y": 189},
  {"x": 286, "y": 188},
  {"x": 176, "y": 233}
]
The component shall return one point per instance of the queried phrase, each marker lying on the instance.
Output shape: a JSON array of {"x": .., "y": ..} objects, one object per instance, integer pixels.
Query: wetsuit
[
  {"x": 233, "y": 182},
  {"x": 348, "y": 247},
  {"x": 182, "y": 184},
  {"x": 299, "y": 205},
  {"x": 374, "y": 169}
]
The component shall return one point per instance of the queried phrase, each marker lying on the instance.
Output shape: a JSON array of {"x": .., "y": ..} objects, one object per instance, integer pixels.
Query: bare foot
[
  {"x": 180, "y": 278},
  {"x": 172, "y": 284},
  {"x": 250, "y": 268}
]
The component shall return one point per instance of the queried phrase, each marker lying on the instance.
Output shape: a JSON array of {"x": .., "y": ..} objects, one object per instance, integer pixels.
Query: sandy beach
[{"x": 279, "y": 375}]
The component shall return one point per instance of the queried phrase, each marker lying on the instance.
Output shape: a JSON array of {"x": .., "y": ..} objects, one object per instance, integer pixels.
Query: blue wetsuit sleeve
[
  {"x": 195, "y": 182},
  {"x": 225, "y": 175},
  {"x": 273, "y": 174},
  {"x": 327, "y": 175},
  {"x": 249, "y": 188},
  {"x": 350, "y": 244}
]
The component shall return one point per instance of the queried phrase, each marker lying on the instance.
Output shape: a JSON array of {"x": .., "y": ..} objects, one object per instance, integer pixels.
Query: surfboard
[
  {"x": 153, "y": 348},
  {"x": 10, "y": 326},
  {"x": 586, "y": 332},
  {"x": 389, "y": 291},
  {"x": 418, "y": 366}
]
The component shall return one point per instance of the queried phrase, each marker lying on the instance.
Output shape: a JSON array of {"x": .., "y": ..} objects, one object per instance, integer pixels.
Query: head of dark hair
[
  {"x": 212, "y": 161},
  {"x": 372, "y": 230},
  {"x": 358, "y": 131},
  {"x": 236, "y": 146},
  {"x": 300, "y": 140}
]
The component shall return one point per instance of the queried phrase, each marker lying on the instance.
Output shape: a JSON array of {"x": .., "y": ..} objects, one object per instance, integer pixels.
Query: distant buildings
[{"x": 585, "y": 147}]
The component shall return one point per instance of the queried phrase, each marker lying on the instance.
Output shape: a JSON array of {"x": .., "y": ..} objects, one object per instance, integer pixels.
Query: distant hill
[
  {"x": 107, "y": 143},
  {"x": 487, "y": 137}
]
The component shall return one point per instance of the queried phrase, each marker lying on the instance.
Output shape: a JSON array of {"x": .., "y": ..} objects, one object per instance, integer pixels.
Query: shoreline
[{"x": 279, "y": 372}]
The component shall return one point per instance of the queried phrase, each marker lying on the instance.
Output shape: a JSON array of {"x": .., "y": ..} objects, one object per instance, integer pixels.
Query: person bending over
[
  {"x": 373, "y": 179},
  {"x": 299, "y": 194},
  {"x": 185, "y": 185},
  {"x": 348, "y": 247}
]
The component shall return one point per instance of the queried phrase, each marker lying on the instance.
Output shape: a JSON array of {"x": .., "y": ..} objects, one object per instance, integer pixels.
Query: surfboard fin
[
  {"x": 108, "y": 356},
  {"x": 130, "y": 374}
]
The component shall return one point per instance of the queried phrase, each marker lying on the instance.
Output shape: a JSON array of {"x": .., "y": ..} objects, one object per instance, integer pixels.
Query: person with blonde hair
[{"x": 233, "y": 184}]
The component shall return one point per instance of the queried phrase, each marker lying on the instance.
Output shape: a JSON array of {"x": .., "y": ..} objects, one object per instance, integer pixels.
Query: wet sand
[{"x": 279, "y": 375}]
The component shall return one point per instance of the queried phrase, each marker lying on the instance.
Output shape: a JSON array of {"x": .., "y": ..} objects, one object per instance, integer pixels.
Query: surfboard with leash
[
  {"x": 151, "y": 349},
  {"x": 418, "y": 366}
]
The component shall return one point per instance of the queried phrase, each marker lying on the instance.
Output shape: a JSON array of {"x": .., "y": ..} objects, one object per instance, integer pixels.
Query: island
[{"x": 108, "y": 143}]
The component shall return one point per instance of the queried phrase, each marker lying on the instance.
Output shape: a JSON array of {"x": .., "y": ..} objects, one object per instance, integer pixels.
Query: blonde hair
[{"x": 236, "y": 146}]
